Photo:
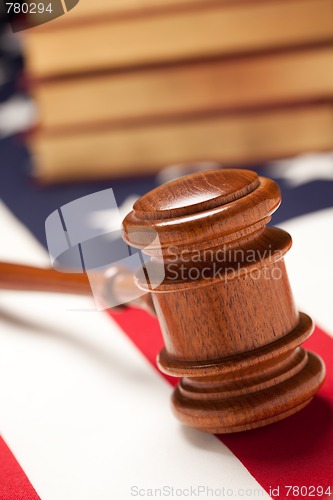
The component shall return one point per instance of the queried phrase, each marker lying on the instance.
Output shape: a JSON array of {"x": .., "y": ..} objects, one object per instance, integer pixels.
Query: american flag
[{"x": 84, "y": 411}]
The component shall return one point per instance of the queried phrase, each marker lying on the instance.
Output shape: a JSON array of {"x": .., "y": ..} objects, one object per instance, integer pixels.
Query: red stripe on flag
[
  {"x": 297, "y": 451},
  {"x": 14, "y": 484}
]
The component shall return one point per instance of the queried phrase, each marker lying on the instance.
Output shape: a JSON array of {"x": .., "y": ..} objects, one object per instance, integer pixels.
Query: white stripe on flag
[
  {"x": 83, "y": 411},
  {"x": 310, "y": 267}
]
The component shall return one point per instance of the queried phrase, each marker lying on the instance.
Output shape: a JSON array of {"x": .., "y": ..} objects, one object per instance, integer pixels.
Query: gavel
[{"x": 229, "y": 322}]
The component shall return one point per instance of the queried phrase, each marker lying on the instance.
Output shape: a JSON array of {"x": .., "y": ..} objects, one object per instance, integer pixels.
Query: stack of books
[{"x": 129, "y": 86}]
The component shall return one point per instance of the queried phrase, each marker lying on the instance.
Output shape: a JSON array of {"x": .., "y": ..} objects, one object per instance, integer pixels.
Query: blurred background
[
  {"x": 134, "y": 93},
  {"x": 127, "y": 94}
]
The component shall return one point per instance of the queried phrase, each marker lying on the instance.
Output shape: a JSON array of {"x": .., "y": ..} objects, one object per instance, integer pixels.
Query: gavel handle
[{"x": 121, "y": 284}]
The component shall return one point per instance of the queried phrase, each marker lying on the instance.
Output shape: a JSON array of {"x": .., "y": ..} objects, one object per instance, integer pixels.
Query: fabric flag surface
[{"x": 85, "y": 413}]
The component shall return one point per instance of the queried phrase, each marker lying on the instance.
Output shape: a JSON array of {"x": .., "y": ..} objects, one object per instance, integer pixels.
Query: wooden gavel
[
  {"x": 225, "y": 307},
  {"x": 117, "y": 282}
]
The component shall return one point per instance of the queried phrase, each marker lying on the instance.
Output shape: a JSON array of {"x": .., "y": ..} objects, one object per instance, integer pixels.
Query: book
[
  {"x": 236, "y": 139},
  {"x": 196, "y": 31},
  {"x": 165, "y": 92}
]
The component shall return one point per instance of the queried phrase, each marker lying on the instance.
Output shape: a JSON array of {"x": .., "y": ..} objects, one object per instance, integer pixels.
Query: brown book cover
[
  {"x": 229, "y": 139},
  {"x": 193, "y": 32},
  {"x": 179, "y": 90}
]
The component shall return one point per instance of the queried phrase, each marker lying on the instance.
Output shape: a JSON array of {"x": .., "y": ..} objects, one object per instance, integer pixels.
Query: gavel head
[{"x": 225, "y": 307}]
